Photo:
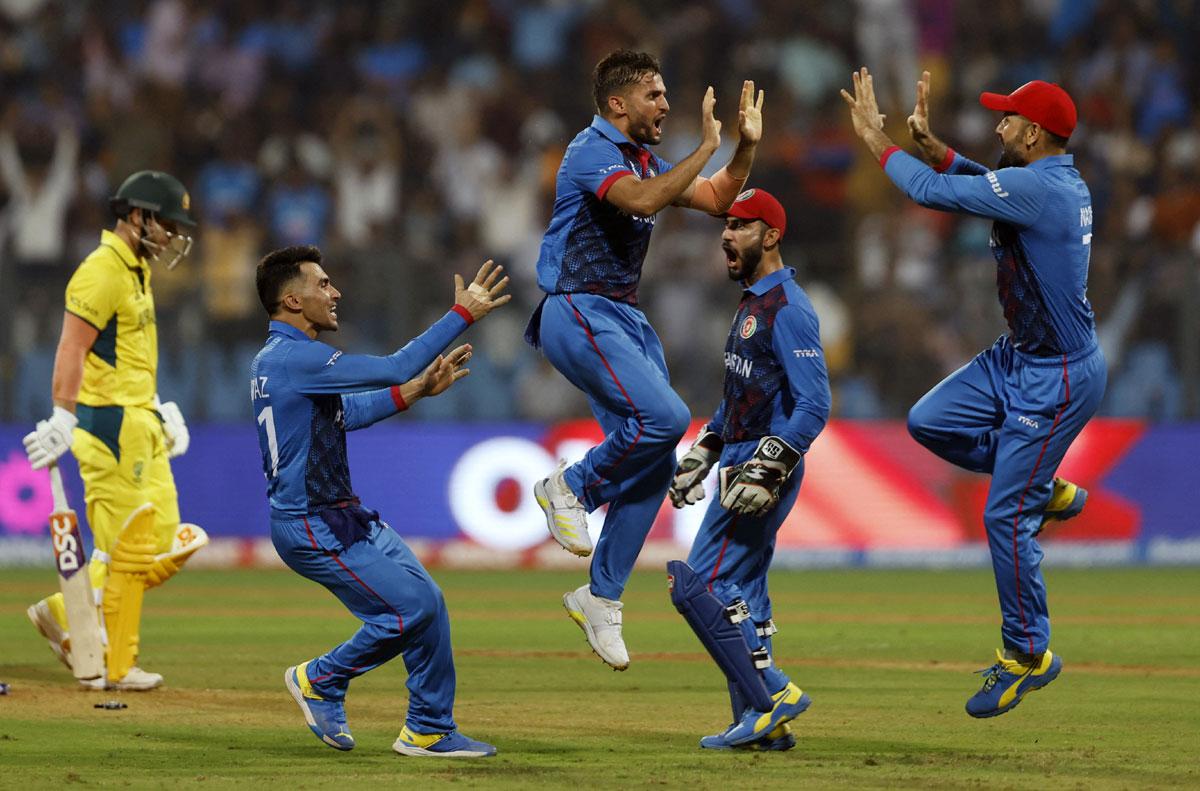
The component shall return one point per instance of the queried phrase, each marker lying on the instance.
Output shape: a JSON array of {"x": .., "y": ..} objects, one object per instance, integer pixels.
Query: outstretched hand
[
  {"x": 750, "y": 115},
  {"x": 710, "y": 127},
  {"x": 864, "y": 109},
  {"x": 484, "y": 294},
  {"x": 918, "y": 122},
  {"x": 445, "y": 371}
]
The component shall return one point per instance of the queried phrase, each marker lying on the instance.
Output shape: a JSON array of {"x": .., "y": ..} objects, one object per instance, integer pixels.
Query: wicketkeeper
[
  {"x": 776, "y": 403},
  {"x": 107, "y": 412}
]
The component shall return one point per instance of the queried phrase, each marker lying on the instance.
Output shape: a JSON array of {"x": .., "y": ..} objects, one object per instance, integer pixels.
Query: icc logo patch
[{"x": 749, "y": 326}]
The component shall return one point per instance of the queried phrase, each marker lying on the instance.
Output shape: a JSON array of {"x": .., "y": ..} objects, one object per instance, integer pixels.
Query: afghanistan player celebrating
[
  {"x": 306, "y": 396},
  {"x": 1013, "y": 411},
  {"x": 609, "y": 189},
  {"x": 776, "y": 403},
  {"x": 107, "y": 412}
]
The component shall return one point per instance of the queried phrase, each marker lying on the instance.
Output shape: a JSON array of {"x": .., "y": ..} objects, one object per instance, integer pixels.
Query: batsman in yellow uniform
[{"x": 107, "y": 412}]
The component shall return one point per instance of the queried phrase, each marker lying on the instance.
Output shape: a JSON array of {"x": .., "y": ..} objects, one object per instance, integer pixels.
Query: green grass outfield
[{"x": 886, "y": 656}]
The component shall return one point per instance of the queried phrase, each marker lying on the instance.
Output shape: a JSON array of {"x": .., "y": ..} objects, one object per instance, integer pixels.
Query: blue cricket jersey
[
  {"x": 591, "y": 246},
  {"x": 1041, "y": 240},
  {"x": 775, "y": 378},
  {"x": 307, "y": 395}
]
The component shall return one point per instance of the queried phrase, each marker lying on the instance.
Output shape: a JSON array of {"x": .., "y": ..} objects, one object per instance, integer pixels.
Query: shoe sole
[
  {"x": 298, "y": 696},
  {"x": 1045, "y": 680},
  {"x": 576, "y": 613},
  {"x": 420, "y": 752},
  {"x": 1070, "y": 512},
  {"x": 539, "y": 494},
  {"x": 35, "y": 617},
  {"x": 801, "y": 706}
]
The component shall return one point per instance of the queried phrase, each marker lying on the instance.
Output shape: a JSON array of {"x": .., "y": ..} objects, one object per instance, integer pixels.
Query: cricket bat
[{"x": 83, "y": 622}]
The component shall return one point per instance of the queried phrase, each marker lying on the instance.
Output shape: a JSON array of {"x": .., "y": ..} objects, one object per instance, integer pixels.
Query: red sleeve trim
[
  {"x": 466, "y": 314},
  {"x": 947, "y": 161},
  {"x": 398, "y": 399},
  {"x": 886, "y": 155},
  {"x": 613, "y": 178}
]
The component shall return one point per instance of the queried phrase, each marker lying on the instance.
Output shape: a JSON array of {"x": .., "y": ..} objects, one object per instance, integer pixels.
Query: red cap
[
  {"x": 759, "y": 204},
  {"x": 1043, "y": 103}
]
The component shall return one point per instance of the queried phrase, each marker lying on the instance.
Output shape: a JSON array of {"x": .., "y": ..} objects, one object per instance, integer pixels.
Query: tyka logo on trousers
[{"x": 1027, "y": 421}]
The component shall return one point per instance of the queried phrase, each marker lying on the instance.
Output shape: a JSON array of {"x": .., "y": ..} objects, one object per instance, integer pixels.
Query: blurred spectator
[{"x": 414, "y": 139}]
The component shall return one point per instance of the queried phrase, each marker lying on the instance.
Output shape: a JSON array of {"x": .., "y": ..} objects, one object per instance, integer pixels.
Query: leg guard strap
[{"x": 724, "y": 640}]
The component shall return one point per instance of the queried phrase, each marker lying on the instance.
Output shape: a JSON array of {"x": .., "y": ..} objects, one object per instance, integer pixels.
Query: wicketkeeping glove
[
  {"x": 176, "y": 431},
  {"x": 687, "y": 487},
  {"x": 51, "y": 438},
  {"x": 752, "y": 487}
]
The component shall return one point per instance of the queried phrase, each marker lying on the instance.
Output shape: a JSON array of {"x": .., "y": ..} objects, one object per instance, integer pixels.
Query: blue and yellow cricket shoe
[
  {"x": 441, "y": 745},
  {"x": 1066, "y": 502},
  {"x": 790, "y": 702},
  {"x": 777, "y": 740},
  {"x": 1007, "y": 681},
  {"x": 325, "y": 718}
]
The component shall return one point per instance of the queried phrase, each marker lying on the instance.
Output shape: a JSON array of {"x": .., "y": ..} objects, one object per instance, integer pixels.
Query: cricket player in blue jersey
[
  {"x": 610, "y": 187},
  {"x": 776, "y": 401},
  {"x": 306, "y": 396},
  {"x": 1013, "y": 411}
]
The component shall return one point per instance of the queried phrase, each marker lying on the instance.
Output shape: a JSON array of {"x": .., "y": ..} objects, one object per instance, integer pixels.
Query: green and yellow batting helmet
[{"x": 154, "y": 191}]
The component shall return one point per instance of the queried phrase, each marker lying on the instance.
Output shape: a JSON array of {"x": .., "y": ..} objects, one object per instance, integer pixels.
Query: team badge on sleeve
[{"x": 749, "y": 326}]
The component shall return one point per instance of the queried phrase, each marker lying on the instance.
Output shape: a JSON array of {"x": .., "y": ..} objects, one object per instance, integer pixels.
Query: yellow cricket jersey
[{"x": 111, "y": 291}]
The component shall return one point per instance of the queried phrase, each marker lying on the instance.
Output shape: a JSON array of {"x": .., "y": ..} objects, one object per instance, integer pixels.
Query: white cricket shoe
[
  {"x": 136, "y": 680},
  {"x": 565, "y": 515},
  {"x": 49, "y": 627},
  {"x": 600, "y": 620}
]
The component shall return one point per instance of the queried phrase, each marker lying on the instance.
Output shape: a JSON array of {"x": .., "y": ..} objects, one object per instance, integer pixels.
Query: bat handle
[{"x": 57, "y": 489}]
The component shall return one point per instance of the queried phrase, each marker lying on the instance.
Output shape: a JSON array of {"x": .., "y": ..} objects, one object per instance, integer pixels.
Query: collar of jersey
[
  {"x": 110, "y": 239},
  {"x": 1057, "y": 161},
  {"x": 288, "y": 330},
  {"x": 770, "y": 281},
  {"x": 605, "y": 127}
]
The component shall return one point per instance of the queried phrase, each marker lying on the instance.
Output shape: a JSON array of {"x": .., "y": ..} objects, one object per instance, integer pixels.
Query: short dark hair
[
  {"x": 277, "y": 268},
  {"x": 619, "y": 69}
]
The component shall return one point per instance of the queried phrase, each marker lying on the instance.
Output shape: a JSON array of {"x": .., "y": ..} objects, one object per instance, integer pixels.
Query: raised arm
[
  {"x": 717, "y": 194},
  {"x": 317, "y": 368},
  {"x": 646, "y": 197},
  {"x": 1012, "y": 194},
  {"x": 936, "y": 154}
]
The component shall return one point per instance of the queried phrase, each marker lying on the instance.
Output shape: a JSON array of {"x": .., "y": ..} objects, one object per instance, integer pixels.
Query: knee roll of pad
[{"x": 720, "y": 631}]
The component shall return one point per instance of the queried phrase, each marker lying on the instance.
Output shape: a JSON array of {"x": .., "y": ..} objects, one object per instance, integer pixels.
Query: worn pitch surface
[{"x": 886, "y": 656}]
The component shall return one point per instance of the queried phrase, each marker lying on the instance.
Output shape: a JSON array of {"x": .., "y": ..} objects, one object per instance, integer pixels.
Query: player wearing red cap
[
  {"x": 776, "y": 401},
  {"x": 1014, "y": 410}
]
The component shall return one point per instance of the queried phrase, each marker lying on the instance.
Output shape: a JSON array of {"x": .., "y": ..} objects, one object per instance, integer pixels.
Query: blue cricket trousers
[
  {"x": 609, "y": 351},
  {"x": 1013, "y": 415},
  {"x": 733, "y": 552},
  {"x": 379, "y": 580}
]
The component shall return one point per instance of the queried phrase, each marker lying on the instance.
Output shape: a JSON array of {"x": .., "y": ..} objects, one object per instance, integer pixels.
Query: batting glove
[
  {"x": 687, "y": 487},
  {"x": 752, "y": 487},
  {"x": 178, "y": 437},
  {"x": 51, "y": 438}
]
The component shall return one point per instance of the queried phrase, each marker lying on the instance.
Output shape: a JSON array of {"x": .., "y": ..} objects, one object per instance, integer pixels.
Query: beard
[
  {"x": 751, "y": 258},
  {"x": 1011, "y": 158}
]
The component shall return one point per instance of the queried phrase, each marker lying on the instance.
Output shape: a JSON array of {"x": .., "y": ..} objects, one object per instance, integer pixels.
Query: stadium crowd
[{"x": 412, "y": 139}]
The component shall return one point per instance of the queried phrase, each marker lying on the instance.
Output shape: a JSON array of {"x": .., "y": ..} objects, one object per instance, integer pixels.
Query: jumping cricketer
[
  {"x": 1013, "y": 411},
  {"x": 776, "y": 401},
  {"x": 610, "y": 187},
  {"x": 306, "y": 396},
  {"x": 107, "y": 412}
]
